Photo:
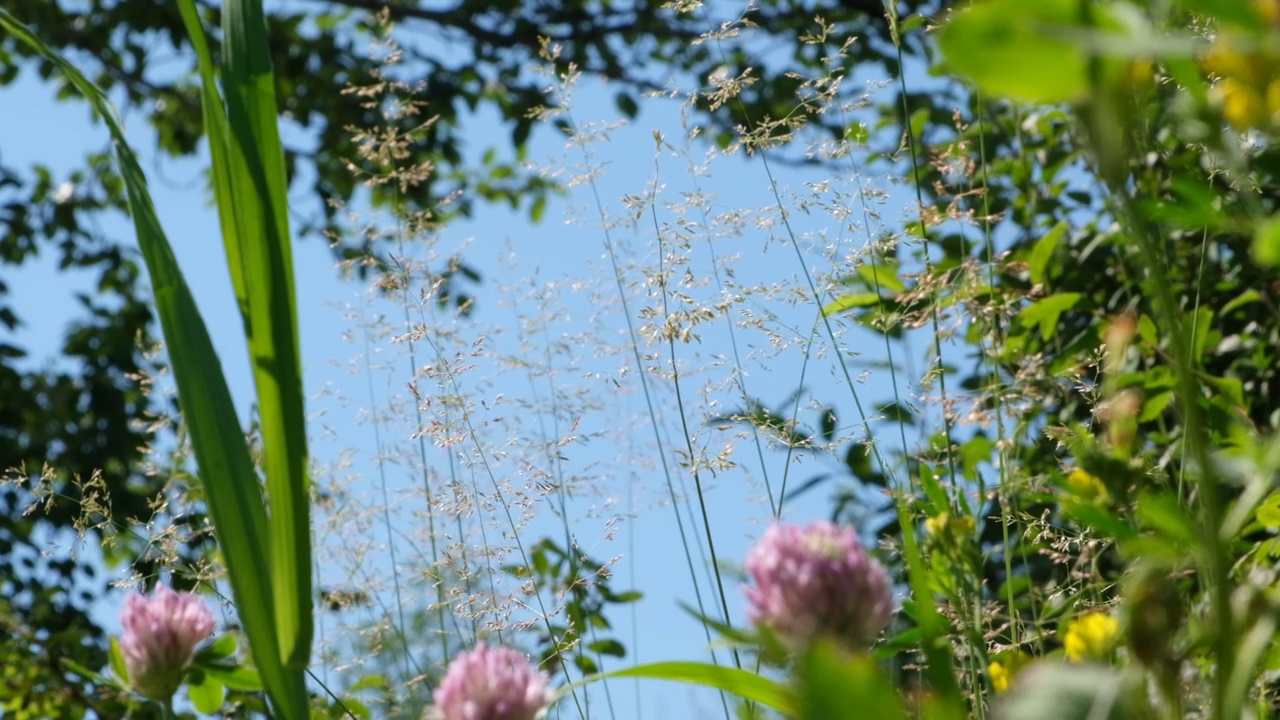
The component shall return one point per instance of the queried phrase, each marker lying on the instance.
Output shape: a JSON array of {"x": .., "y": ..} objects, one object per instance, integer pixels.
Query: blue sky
[{"x": 562, "y": 260}]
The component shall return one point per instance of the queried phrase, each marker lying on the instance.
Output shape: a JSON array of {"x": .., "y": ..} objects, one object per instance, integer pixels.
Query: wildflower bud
[
  {"x": 817, "y": 581},
  {"x": 492, "y": 684},
  {"x": 160, "y": 636}
]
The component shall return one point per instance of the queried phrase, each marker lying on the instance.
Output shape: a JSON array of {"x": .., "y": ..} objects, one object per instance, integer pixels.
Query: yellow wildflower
[
  {"x": 1003, "y": 670},
  {"x": 1087, "y": 485},
  {"x": 1242, "y": 105},
  {"x": 1091, "y": 637},
  {"x": 943, "y": 525},
  {"x": 936, "y": 525}
]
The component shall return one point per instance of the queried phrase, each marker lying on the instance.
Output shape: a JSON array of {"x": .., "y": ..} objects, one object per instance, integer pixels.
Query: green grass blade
[
  {"x": 744, "y": 684},
  {"x": 226, "y": 470},
  {"x": 257, "y": 187},
  {"x": 290, "y": 697},
  {"x": 215, "y": 127}
]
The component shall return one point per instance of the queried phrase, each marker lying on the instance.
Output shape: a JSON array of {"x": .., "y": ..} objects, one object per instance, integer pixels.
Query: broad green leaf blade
[
  {"x": 1016, "y": 49},
  {"x": 226, "y": 470},
  {"x": 258, "y": 189},
  {"x": 746, "y": 685},
  {"x": 214, "y": 115},
  {"x": 233, "y": 168},
  {"x": 833, "y": 687}
]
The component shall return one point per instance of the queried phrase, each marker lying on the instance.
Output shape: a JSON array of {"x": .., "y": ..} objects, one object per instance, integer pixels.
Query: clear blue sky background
[{"x": 507, "y": 249}]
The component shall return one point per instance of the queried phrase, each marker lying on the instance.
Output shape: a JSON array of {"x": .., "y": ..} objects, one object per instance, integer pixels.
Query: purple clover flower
[
  {"x": 817, "y": 581},
  {"x": 160, "y": 636},
  {"x": 492, "y": 684}
]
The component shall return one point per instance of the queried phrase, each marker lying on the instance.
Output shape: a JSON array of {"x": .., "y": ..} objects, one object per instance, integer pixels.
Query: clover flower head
[
  {"x": 160, "y": 636},
  {"x": 492, "y": 684},
  {"x": 817, "y": 581}
]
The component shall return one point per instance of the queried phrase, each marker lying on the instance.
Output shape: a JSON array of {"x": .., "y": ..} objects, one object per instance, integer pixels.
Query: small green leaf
[
  {"x": 1244, "y": 298},
  {"x": 1269, "y": 512},
  {"x": 220, "y": 649},
  {"x": 116, "y": 660},
  {"x": 1045, "y": 312},
  {"x": 624, "y": 597},
  {"x": 1266, "y": 242},
  {"x": 586, "y": 664},
  {"x": 368, "y": 681},
  {"x": 882, "y": 275},
  {"x": 236, "y": 677},
  {"x": 1165, "y": 514},
  {"x": 829, "y": 423},
  {"x": 1043, "y": 252},
  {"x": 850, "y": 301},
  {"x": 608, "y": 647},
  {"x": 1155, "y": 405},
  {"x": 626, "y": 104},
  {"x": 206, "y": 693}
]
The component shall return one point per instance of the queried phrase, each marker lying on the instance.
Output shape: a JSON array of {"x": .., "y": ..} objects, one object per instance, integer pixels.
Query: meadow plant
[
  {"x": 817, "y": 581},
  {"x": 160, "y": 636},
  {"x": 1098, "y": 489},
  {"x": 492, "y": 683}
]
